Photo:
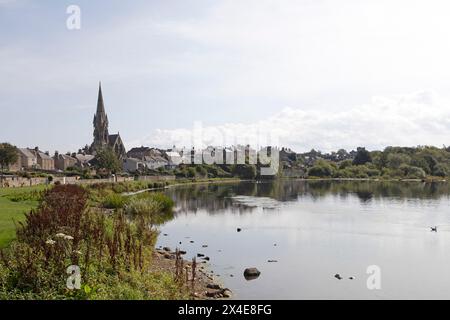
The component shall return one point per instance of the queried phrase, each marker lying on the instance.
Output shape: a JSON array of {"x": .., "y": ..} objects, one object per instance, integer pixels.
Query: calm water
[{"x": 315, "y": 230}]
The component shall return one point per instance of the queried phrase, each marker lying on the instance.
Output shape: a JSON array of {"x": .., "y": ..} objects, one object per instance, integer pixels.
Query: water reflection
[
  {"x": 315, "y": 229},
  {"x": 216, "y": 198}
]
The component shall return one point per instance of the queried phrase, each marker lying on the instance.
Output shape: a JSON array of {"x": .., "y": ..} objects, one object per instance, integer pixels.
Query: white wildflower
[
  {"x": 60, "y": 235},
  {"x": 50, "y": 242},
  {"x": 68, "y": 237}
]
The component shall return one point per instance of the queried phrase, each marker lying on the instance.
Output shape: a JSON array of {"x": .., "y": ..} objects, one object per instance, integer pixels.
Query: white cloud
[{"x": 420, "y": 118}]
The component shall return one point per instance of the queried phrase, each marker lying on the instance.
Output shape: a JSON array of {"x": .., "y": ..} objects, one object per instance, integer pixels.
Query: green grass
[{"x": 12, "y": 210}]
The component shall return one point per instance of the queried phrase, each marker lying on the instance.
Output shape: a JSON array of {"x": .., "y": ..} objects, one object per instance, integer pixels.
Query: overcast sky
[{"x": 314, "y": 74}]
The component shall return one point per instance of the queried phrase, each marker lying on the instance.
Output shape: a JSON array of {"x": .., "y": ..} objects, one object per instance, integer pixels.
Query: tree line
[{"x": 392, "y": 162}]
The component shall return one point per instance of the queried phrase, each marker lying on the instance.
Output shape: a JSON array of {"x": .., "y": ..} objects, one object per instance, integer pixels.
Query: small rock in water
[
  {"x": 179, "y": 242},
  {"x": 169, "y": 256},
  {"x": 351, "y": 278},
  {"x": 182, "y": 252},
  {"x": 192, "y": 241},
  {"x": 231, "y": 275},
  {"x": 200, "y": 255},
  {"x": 205, "y": 246},
  {"x": 206, "y": 258},
  {"x": 338, "y": 276},
  {"x": 274, "y": 244},
  {"x": 238, "y": 229},
  {"x": 251, "y": 273},
  {"x": 167, "y": 249},
  {"x": 272, "y": 260}
]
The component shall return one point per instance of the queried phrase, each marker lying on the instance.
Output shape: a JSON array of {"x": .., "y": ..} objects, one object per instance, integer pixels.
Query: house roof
[
  {"x": 66, "y": 157},
  {"x": 155, "y": 159},
  {"x": 84, "y": 157},
  {"x": 139, "y": 149},
  {"x": 44, "y": 156},
  {"x": 27, "y": 153},
  {"x": 112, "y": 138}
]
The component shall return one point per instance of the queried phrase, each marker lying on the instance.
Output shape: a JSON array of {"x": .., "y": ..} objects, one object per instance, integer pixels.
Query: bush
[
  {"x": 114, "y": 201},
  {"x": 155, "y": 208},
  {"x": 114, "y": 254},
  {"x": 412, "y": 172},
  {"x": 245, "y": 171},
  {"x": 322, "y": 169}
]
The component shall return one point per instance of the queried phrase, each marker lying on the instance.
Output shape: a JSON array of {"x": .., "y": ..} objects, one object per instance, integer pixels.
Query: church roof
[{"x": 112, "y": 138}]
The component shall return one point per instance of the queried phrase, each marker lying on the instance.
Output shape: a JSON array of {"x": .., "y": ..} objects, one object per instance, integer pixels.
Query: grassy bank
[
  {"x": 14, "y": 203},
  {"x": 113, "y": 247}
]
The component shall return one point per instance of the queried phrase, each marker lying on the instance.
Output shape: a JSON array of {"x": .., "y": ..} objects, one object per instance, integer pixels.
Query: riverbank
[{"x": 121, "y": 233}]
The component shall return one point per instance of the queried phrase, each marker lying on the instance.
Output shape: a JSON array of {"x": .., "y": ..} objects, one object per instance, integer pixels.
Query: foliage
[
  {"x": 107, "y": 160},
  {"x": 362, "y": 156},
  {"x": 8, "y": 155},
  {"x": 114, "y": 253},
  {"x": 322, "y": 169},
  {"x": 244, "y": 171},
  {"x": 114, "y": 201}
]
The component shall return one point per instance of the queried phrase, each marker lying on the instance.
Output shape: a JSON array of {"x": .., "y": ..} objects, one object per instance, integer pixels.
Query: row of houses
[
  {"x": 138, "y": 159},
  {"x": 35, "y": 159},
  {"x": 142, "y": 158}
]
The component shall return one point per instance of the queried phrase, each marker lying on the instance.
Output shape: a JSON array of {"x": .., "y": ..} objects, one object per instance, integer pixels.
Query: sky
[{"x": 307, "y": 74}]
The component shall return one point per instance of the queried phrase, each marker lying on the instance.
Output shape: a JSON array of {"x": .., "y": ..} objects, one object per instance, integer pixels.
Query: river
[{"x": 313, "y": 230}]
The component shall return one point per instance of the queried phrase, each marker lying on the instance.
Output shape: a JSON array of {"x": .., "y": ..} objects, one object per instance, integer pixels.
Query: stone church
[{"x": 102, "y": 138}]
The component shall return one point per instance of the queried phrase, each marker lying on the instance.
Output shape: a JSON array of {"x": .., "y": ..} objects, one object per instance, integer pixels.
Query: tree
[
  {"x": 245, "y": 171},
  {"x": 8, "y": 155},
  {"x": 362, "y": 156},
  {"x": 106, "y": 159},
  {"x": 322, "y": 169},
  {"x": 395, "y": 160}
]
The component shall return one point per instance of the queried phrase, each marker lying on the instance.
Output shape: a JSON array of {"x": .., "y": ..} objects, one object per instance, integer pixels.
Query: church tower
[{"x": 101, "y": 135}]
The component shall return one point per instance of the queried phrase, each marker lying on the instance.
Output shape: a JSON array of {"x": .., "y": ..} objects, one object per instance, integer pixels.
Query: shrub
[
  {"x": 113, "y": 253},
  {"x": 321, "y": 169},
  {"x": 114, "y": 201}
]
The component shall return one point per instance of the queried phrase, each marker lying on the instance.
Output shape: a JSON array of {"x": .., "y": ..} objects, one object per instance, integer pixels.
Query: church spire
[
  {"x": 100, "y": 105},
  {"x": 101, "y": 135}
]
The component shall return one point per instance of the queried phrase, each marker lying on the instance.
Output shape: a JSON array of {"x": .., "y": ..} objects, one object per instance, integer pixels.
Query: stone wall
[
  {"x": 15, "y": 182},
  {"x": 156, "y": 178}
]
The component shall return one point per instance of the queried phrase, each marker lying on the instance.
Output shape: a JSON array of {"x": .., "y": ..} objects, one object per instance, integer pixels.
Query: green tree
[
  {"x": 245, "y": 171},
  {"x": 107, "y": 160},
  {"x": 322, "y": 169},
  {"x": 395, "y": 160},
  {"x": 362, "y": 156},
  {"x": 8, "y": 155}
]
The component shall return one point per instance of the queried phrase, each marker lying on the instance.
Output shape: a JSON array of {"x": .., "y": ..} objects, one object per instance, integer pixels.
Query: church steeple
[
  {"x": 100, "y": 122},
  {"x": 100, "y": 105}
]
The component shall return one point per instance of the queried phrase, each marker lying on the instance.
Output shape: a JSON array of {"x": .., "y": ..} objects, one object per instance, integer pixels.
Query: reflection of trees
[{"x": 215, "y": 198}]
